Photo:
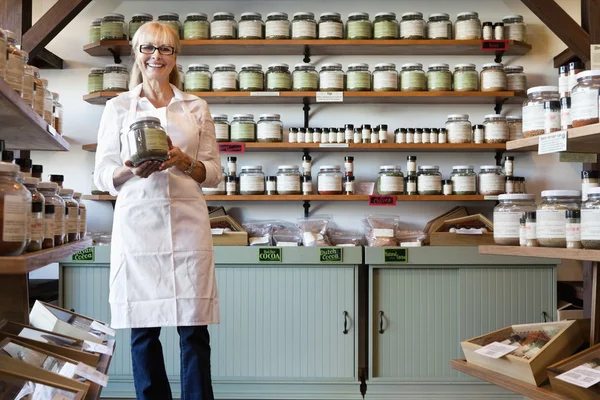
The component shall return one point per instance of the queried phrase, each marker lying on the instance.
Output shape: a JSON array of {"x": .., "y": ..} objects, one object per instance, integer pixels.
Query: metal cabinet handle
[
  {"x": 381, "y": 322},
  {"x": 345, "y": 314}
]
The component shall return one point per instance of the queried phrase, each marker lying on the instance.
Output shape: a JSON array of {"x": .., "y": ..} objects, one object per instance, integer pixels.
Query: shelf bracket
[
  {"x": 306, "y": 54},
  {"x": 499, "y": 55},
  {"x": 116, "y": 55},
  {"x": 499, "y": 104},
  {"x": 306, "y": 208},
  {"x": 306, "y": 152},
  {"x": 363, "y": 382},
  {"x": 498, "y": 157},
  {"x": 306, "y": 110}
]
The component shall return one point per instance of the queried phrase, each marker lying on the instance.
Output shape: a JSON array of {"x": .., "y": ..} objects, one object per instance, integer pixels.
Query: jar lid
[
  {"x": 247, "y": 167},
  {"x": 277, "y": 14},
  {"x": 467, "y": 13},
  {"x": 437, "y": 15},
  {"x": 585, "y": 74},
  {"x": 539, "y": 89},
  {"x": 561, "y": 193},
  {"x": 516, "y": 197},
  {"x": 304, "y": 14},
  {"x": 196, "y": 15},
  {"x": 514, "y": 118},
  {"x": 388, "y": 167},
  {"x": 349, "y": 159},
  {"x": 245, "y": 66},
  {"x": 465, "y": 66},
  {"x": 462, "y": 167},
  {"x": 513, "y": 68},
  {"x": 220, "y": 116},
  {"x": 94, "y": 21},
  {"x": 8, "y": 167},
  {"x": 412, "y": 65},
  {"x": 96, "y": 69},
  {"x": 331, "y": 65},
  {"x": 276, "y": 116},
  {"x": 487, "y": 23},
  {"x": 358, "y": 14},
  {"x": 237, "y": 116},
  {"x": 594, "y": 190},
  {"x": 223, "y": 14},
  {"x": 146, "y": 119},
  {"x": 251, "y": 14},
  {"x": 330, "y": 14},
  {"x": 224, "y": 66},
  {"x": 589, "y": 174},
  {"x": 280, "y": 65},
  {"x": 232, "y": 159},
  {"x": 493, "y": 65},
  {"x": 497, "y": 167},
  {"x": 329, "y": 167},
  {"x": 565, "y": 102},
  {"x": 457, "y": 116},
  {"x": 385, "y": 65},
  {"x": 205, "y": 66},
  {"x": 499, "y": 24},
  {"x": 576, "y": 65},
  {"x": 439, "y": 65},
  {"x": 494, "y": 116},
  {"x": 358, "y": 65},
  {"x": 478, "y": 126},
  {"x": 412, "y": 14},
  {"x": 145, "y": 15},
  {"x": 429, "y": 167},
  {"x": 31, "y": 180},
  {"x": 47, "y": 185},
  {"x": 115, "y": 15},
  {"x": 66, "y": 192},
  {"x": 572, "y": 214},
  {"x": 512, "y": 16},
  {"x": 287, "y": 167},
  {"x": 304, "y": 65},
  {"x": 385, "y": 14}
]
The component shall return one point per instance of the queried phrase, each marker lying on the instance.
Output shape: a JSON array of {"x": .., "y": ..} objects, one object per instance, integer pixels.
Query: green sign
[
  {"x": 331, "y": 254},
  {"x": 85, "y": 255},
  {"x": 269, "y": 254},
  {"x": 395, "y": 256}
]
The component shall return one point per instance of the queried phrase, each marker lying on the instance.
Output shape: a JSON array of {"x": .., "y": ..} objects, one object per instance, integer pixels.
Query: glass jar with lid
[
  {"x": 147, "y": 141},
  {"x": 39, "y": 94},
  {"x": 252, "y": 180},
  {"x": 198, "y": 78},
  {"x": 514, "y": 28},
  {"x": 137, "y": 20},
  {"x": 115, "y": 78},
  {"x": 466, "y": 78},
  {"x": 331, "y": 77},
  {"x": 412, "y": 26},
  {"x": 252, "y": 78},
  {"x": 331, "y": 26},
  {"x": 28, "y": 89},
  {"x": 390, "y": 180},
  {"x": 277, "y": 26},
  {"x": 48, "y": 103},
  {"x": 464, "y": 180},
  {"x": 385, "y": 78},
  {"x": 113, "y": 27},
  {"x": 82, "y": 215},
  {"x": 36, "y": 216},
  {"x": 516, "y": 80},
  {"x": 533, "y": 109},
  {"x": 304, "y": 26},
  {"x": 95, "y": 31},
  {"x": 589, "y": 180},
  {"x": 220, "y": 190},
  {"x": 196, "y": 27},
  {"x": 57, "y": 113},
  {"x": 385, "y": 26},
  {"x": 269, "y": 128},
  {"x": 359, "y": 27},
  {"x": 551, "y": 224},
  {"x": 412, "y": 78},
  {"x": 439, "y": 27},
  {"x": 329, "y": 180},
  {"x": 251, "y": 26},
  {"x": 243, "y": 128},
  {"x": 95, "y": 80},
  {"x": 491, "y": 180},
  {"x": 279, "y": 78},
  {"x": 289, "y": 179},
  {"x": 15, "y": 205},
  {"x": 15, "y": 62},
  {"x": 439, "y": 78},
  {"x": 515, "y": 127},
  {"x": 305, "y": 78},
  {"x": 358, "y": 78},
  {"x": 459, "y": 129},
  {"x": 467, "y": 26},
  {"x": 507, "y": 216},
  {"x": 224, "y": 78},
  {"x": 590, "y": 220},
  {"x": 71, "y": 215},
  {"x": 223, "y": 26},
  {"x": 181, "y": 77},
  {"x": 493, "y": 78},
  {"x": 171, "y": 19},
  {"x": 584, "y": 99},
  {"x": 496, "y": 129},
  {"x": 221, "y": 127},
  {"x": 429, "y": 180},
  {"x": 50, "y": 192}
]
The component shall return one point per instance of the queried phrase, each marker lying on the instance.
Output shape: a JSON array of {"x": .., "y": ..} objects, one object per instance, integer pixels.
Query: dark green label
[
  {"x": 331, "y": 254},
  {"x": 84, "y": 255},
  {"x": 397, "y": 256},
  {"x": 269, "y": 254}
]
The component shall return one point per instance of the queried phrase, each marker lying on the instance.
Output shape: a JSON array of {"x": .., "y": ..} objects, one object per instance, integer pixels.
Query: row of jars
[
  {"x": 115, "y": 78},
  {"x": 304, "y": 25},
  {"x": 496, "y": 128}
]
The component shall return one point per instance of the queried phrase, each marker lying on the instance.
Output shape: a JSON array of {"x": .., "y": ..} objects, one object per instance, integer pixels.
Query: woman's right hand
[{"x": 145, "y": 169}]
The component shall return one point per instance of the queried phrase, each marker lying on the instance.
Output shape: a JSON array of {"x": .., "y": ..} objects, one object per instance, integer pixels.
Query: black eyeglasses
[{"x": 164, "y": 50}]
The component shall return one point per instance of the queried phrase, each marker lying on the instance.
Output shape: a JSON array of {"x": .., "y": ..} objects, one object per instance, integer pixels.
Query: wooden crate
[
  {"x": 455, "y": 239},
  {"x": 567, "y": 389},
  {"x": 532, "y": 371}
]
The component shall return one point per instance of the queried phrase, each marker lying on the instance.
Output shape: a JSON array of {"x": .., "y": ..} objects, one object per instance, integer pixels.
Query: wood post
[{"x": 14, "y": 298}]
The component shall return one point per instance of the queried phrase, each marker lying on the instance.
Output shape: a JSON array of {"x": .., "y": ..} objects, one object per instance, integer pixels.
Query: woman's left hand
[{"x": 177, "y": 158}]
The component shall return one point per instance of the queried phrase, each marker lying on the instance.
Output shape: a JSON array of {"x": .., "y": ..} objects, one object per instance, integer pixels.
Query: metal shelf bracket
[
  {"x": 306, "y": 54},
  {"x": 306, "y": 208},
  {"x": 499, "y": 104},
  {"x": 116, "y": 55}
]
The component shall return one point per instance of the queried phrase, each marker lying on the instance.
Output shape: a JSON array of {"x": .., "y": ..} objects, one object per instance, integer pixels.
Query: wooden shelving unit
[
  {"x": 29, "y": 262},
  {"x": 585, "y": 139},
  {"x": 542, "y": 252},
  {"x": 317, "y": 197},
  {"x": 102, "y": 367}
]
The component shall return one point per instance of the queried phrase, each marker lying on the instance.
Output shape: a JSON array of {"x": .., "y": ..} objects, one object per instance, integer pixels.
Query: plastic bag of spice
[
  {"x": 259, "y": 233},
  {"x": 314, "y": 230},
  {"x": 286, "y": 234},
  {"x": 345, "y": 238},
  {"x": 380, "y": 230}
]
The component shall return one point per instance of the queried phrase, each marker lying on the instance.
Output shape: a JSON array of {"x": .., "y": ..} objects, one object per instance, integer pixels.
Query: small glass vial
[
  {"x": 305, "y": 78},
  {"x": 308, "y": 135},
  {"x": 385, "y": 26},
  {"x": 279, "y": 78},
  {"x": 304, "y": 26},
  {"x": 410, "y": 135},
  {"x": 439, "y": 27},
  {"x": 231, "y": 185},
  {"x": 332, "y": 135},
  {"x": 252, "y": 78},
  {"x": 252, "y": 180},
  {"x": 95, "y": 80},
  {"x": 231, "y": 166},
  {"x": 566, "y": 121},
  {"x": 509, "y": 185},
  {"x": 429, "y": 180},
  {"x": 412, "y": 78},
  {"x": 418, "y": 137},
  {"x": 359, "y": 27},
  {"x": 433, "y": 135},
  {"x": 515, "y": 127},
  {"x": 459, "y": 128},
  {"x": 573, "y": 222},
  {"x": 374, "y": 135},
  {"x": 467, "y": 26},
  {"x": 411, "y": 185},
  {"x": 15, "y": 63},
  {"x": 269, "y": 128},
  {"x": 349, "y": 185},
  {"x": 400, "y": 135},
  {"x": 307, "y": 188},
  {"x": 172, "y": 20},
  {"x": 289, "y": 180},
  {"x": 331, "y": 77},
  {"x": 223, "y": 26},
  {"x": 221, "y": 127},
  {"x": 251, "y": 26},
  {"x": 348, "y": 133},
  {"x": 443, "y": 136},
  {"x": 94, "y": 35},
  {"x": 137, "y": 20},
  {"x": 50, "y": 192},
  {"x": 496, "y": 129},
  {"x": 498, "y": 31},
  {"x": 271, "y": 185},
  {"x": 464, "y": 180},
  {"x": 531, "y": 229},
  {"x": 320, "y": 135},
  {"x": 331, "y": 26},
  {"x": 439, "y": 78},
  {"x": 198, "y": 78},
  {"x": 341, "y": 135},
  {"x": 516, "y": 80},
  {"x": 488, "y": 31},
  {"x": 225, "y": 78},
  {"x": 243, "y": 128},
  {"x": 493, "y": 78},
  {"x": 115, "y": 78},
  {"x": 522, "y": 232},
  {"x": 358, "y": 78},
  {"x": 515, "y": 28},
  {"x": 447, "y": 187},
  {"x": 306, "y": 165},
  {"x": 411, "y": 165},
  {"x": 383, "y": 133},
  {"x": 509, "y": 165},
  {"x": 293, "y": 135},
  {"x": 113, "y": 27},
  {"x": 301, "y": 135},
  {"x": 196, "y": 27},
  {"x": 277, "y": 26},
  {"x": 589, "y": 180},
  {"x": 552, "y": 116},
  {"x": 491, "y": 180},
  {"x": 466, "y": 78},
  {"x": 357, "y": 137},
  {"x": 478, "y": 134},
  {"x": 349, "y": 166},
  {"x": 385, "y": 78},
  {"x": 36, "y": 218},
  {"x": 412, "y": 26},
  {"x": 366, "y": 133},
  {"x": 329, "y": 181},
  {"x": 72, "y": 215}
]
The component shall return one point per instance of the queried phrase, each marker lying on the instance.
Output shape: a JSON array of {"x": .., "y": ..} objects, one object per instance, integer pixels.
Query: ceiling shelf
[
  {"x": 29, "y": 262},
  {"x": 585, "y": 139},
  {"x": 318, "y": 197},
  {"x": 543, "y": 252}
]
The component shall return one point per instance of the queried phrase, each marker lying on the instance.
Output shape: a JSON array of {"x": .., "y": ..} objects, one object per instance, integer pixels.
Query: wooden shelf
[
  {"x": 99, "y": 197},
  {"x": 22, "y": 128},
  {"x": 317, "y": 197},
  {"x": 315, "y": 47},
  {"x": 29, "y": 262},
  {"x": 530, "y": 391},
  {"x": 543, "y": 252},
  {"x": 102, "y": 367},
  {"x": 580, "y": 140},
  {"x": 349, "y": 97}
]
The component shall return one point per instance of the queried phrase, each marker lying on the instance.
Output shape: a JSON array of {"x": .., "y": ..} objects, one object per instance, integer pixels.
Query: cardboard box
[
  {"x": 533, "y": 370},
  {"x": 568, "y": 311},
  {"x": 567, "y": 389},
  {"x": 441, "y": 236},
  {"x": 236, "y": 237}
]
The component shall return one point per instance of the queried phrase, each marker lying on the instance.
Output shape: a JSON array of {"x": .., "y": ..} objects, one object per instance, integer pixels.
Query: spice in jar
[
  {"x": 566, "y": 121},
  {"x": 331, "y": 26},
  {"x": 400, "y": 135},
  {"x": 301, "y": 135},
  {"x": 531, "y": 229},
  {"x": 439, "y": 27},
  {"x": 478, "y": 134},
  {"x": 71, "y": 215},
  {"x": 293, "y": 135},
  {"x": 137, "y": 20},
  {"x": 147, "y": 141},
  {"x": 589, "y": 180},
  {"x": 390, "y": 180},
  {"x": 357, "y": 137},
  {"x": 426, "y": 135},
  {"x": 196, "y": 27},
  {"x": 411, "y": 165},
  {"x": 307, "y": 188},
  {"x": 514, "y": 28},
  {"x": 584, "y": 99},
  {"x": 429, "y": 180},
  {"x": 488, "y": 30},
  {"x": 439, "y": 78},
  {"x": 329, "y": 180},
  {"x": 243, "y": 128},
  {"x": 251, "y": 26},
  {"x": 198, "y": 78},
  {"x": 349, "y": 184},
  {"x": 491, "y": 180},
  {"x": 467, "y": 26},
  {"x": 15, "y": 62},
  {"x": 509, "y": 185},
  {"x": 48, "y": 226},
  {"x": 463, "y": 180},
  {"x": 466, "y": 78},
  {"x": 252, "y": 180},
  {"x": 333, "y": 133},
  {"x": 443, "y": 136},
  {"x": 411, "y": 185},
  {"x": 498, "y": 31},
  {"x": 36, "y": 217},
  {"x": 279, "y": 78},
  {"x": 412, "y": 78},
  {"x": 590, "y": 220},
  {"x": 231, "y": 166},
  {"x": 358, "y": 78},
  {"x": 412, "y": 26},
  {"x": 277, "y": 26},
  {"x": 50, "y": 192},
  {"x": 269, "y": 128},
  {"x": 575, "y": 68},
  {"x": 383, "y": 133},
  {"x": 509, "y": 165},
  {"x": 493, "y": 78},
  {"x": 551, "y": 116},
  {"x": 458, "y": 127},
  {"x": 522, "y": 232},
  {"x": 433, "y": 135},
  {"x": 573, "y": 226},
  {"x": 447, "y": 187},
  {"x": 516, "y": 80},
  {"x": 515, "y": 127},
  {"x": 308, "y": 135},
  {"x": 375, "y": 134},
  {"x": 563, "y": 81},
  {"x": 496, "y": 129},
  {"x": 252, "y": 78},
  {"x": 385, "y": 78},
  {"x": 115, "y": 78},
  {"x": 331, "y": 77},
  {"x": 304, "y": 26},
  {"x": 551, "y": 226},
  {"x": 95, "y": 80},
  {"x": 507, "y": 217},
  {"x": 418, "y": 136},
  {"x": 223, "y": 26},
  {"x": 385, "y": 26},
  {"x": 225, "y": 78},
  {"x": 533, "y": 109},
  {"x": 271, "y": 185},
  {"x": 349, "y": 166},
  {"x": 113, "y": 27},
  {"x": 94, "y": 34},
  {"x": 231, "y": 185},
  {"x": 289, "y": 179},
  {"x": 306, "y": 165},
  {"x": 305, "y": 78},
  {"x": 359, "y": 27},
  {"x": 221, "y": 127}
]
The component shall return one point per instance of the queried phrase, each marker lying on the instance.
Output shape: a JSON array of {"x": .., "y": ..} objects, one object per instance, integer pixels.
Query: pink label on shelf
[
  {"x": 232, "y": 147},
  {"x": 495, "y": 45},
  {"x": 382, "y": 201}
]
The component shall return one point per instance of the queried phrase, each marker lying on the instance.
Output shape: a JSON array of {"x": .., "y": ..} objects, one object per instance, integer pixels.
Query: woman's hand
[
  {"x": 145, "y": 169},
  {"x": 177, "y": 158}
]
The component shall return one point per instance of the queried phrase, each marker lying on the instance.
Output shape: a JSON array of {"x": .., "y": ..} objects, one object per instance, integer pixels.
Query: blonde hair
[{"x": 157, "y": 34}]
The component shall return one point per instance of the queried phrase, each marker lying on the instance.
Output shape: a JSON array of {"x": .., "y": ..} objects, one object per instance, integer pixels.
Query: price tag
[
  {"x": 584, "y": 377},
  {"x": 335, "y": 145},
  {"x": 264, "y": 94},
  {"x": 382, "y": 201},
  {"x": 217, "y": 231},
  {"x": 494, "y": 45},
  {"x": 232, "y": 147},
  {"x": 595, "y": 56},
  {"x": 97, "y": 326},
  {"x": 91, "y": 374},
  {"x": 330, "y": 97},
  {"x": 496, "y": 350},
  {"x": 97, "y": 348},
  {"x": 552, "y": 142}
]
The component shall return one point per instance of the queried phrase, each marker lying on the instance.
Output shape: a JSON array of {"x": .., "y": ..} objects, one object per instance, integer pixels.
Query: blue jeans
[{"x": 149, "y": 374}]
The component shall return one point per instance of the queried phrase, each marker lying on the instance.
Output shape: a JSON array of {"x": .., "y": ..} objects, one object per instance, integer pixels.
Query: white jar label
[
  {"x": 72, "y": 219},
  {"x": 222, "y": 131},
  {"x": 492, "y": 79},
  {"x": 250, "y": 29},
  {"x": 307, "y": 187},
  {"x": 573, "y": 232},
  {"x": 304, "y": 29},
  {"x": 584, "y": 105},
  {"x": 507, "y": 224},
  {"x": 268, "y": 131},
  {"x": 468, "y": 29},
  {"x": 278, "y": 80},
  {"x": 496, "y": 132},
  {"x": 292, "y": 137},
  {"x": 590, "y": 224},
  {"x": 459, "y": 132},
  {"x": 438, "y": 30},
  {"x": 252, "y": 183},
  {"x": 225, "y": 80},
  {"x": 530, "y": 230},
  {"x": 366, "y": 134},
  {"x": 515, "y": 131},
  {"x": 478, "y": 136},
  {"x": 491, "y": 183},
  {"x": 36, "y": 226},
  {"x": 401, "y": 138},
  {"x": 516, "y": 82},
  {"x": 340, "y": 136},
  {"x": 14, "y": 70},
  {"x": 565, "y": 118},
  {"x": 59, "y": 220},
  {"x": 433, "y": 137},
  {"x": 533, "y": 117},
  {"x": 374, "y": 137},
  {"x": 585, "y": 188},
  {"x": 82, "y": 220},
  {"x": 308, "y": 137},
  {"x": 391, "y": 184},
  {"x": 115, "y": 80},
  {"x": 242, "y": 131},
  {"x": 230, "y": 187},
  {"x": 222, "y": 28},
  {"x": 357, "y": 137},
  {"x": 382, "y": 136},
  {"x": 306, "y": 166},
  {"x": 411, "y": 166},
  {"x": 563, "y": 84},
  {"x": 385, "y": 80},
  {"x": 332, "y": 137},
  {"x": 349, "y": 167},
  {"x": 332, "y": 80},
  {"x": 277, "y": 28},
  {"x": 330, "y": 29},
  {"x": 442, "y": 137},
  {"x": 551, "y": 224},
  {"x": 515, "y": 32},
  {"x": 49, "y": 228},
  {"x": 288, "y": 183},
  {"x": 464, "y": 183},
  {"x": 411, "y": 187},
  {"x": 428, "y": 183},
  {"x": 412, "y": 28},
  {"x": 418, "y": 138},
  {"x": 552, "y": 121},
  {"x": 16, "y": 217},
  {"x": 330, "y": 183},
  {"x": 300, "y": 137}
]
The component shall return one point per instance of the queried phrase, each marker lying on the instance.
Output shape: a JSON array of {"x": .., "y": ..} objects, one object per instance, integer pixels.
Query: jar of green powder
[
  {"x": 412, "y": 78},
  {"x": 466, "y": 78},
  {"x": 221, "y": 127},
  {"x": 385, "y": 26},
  {"x": 95, "y": 34},
  {"x": 113, "y": 27},
  {"x": 385, "y": 78},
  {"x": 279, "y": 78},
  {"x": 251, "y": 26},
  {"x": 331, "y": 26},
  {"x": 223, "y": 26},
  {"x": 196, "y": 27},
  {"x": 243, "y": 128},
  {"x": 95, "y": 80},
  {"x": 137, "y": 20},
  {"x": 358, "y": 78},
  {"x": 439, "y": 78},
  {"x": 412, "y": 26},
  {"x": 172, "y": 20},
  {"x": 252, "y": 78},
  {"x": 305, "y": 78},
  {"x": 198, "y": 78},
  {"x": 359, "y": 27}
]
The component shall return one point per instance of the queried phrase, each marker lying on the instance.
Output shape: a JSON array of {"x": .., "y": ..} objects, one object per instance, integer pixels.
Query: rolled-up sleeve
[
  {"x": 108, "y": 153},
  {"x": 208, "y": 151}
]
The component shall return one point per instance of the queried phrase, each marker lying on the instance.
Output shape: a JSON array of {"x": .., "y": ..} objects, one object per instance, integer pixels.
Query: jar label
[
  {"x": 385, "y": 80},
  {"x": 72, "y": 219},
  {"x": 516, "y": 82},
  {"x": 13, "y": 74},
  {"x": 493, "y": 79},
  {"x": 155, "y": 139},
  {"x": 251, "y": 81},
  {"x": 358, "y": 80},
  {"x": 278, "y": 80},
  {"x": 225, "y": 80},
  {"x": 59, "y": 220},
  {"x": 251, "y": 29},
  {"x": 439, "y": 30},
  {"x": 332, "y": 80},
  {"x": 288, "y": 183},
  {"x": 230, "y": 186},
  {"x": 222, "y": 131},
  {"x": 412, "y": 28},
  {"x": 95, "y": 84},
  {"x": 533, "y": 118},
  {"x": 277, "y": 29},
  {"x": 590, "y": 224},
  {"x": 36, "y": 226},
  {"x": 412, "y": 80},
  {"x": 267, "y": 130},
  {"x": 507, "y": 224},
  {"x": 563, "y": 84},
  {"x": 249, "y": 183},
  {"x": 242, "y": 131},
  {"x": 427, "y": 183},
  {"x": 440, "y": 80},
  {"x": 466, "y": 81},
  {"x": 530, "y": 230},
  {"x": 469, "y": 29},
  {"x": 573, "y": 232},
  {"x": 16, "y": 217},
  {"x": 330, "y": 29},
  {"x": 222, "y": 28},
  {"x": 496, "y": 131},
  {"x": 305, "y": 80},
  {"x": 385, "y": 29},
  {"x": 551, "y": 224},
  {"x": 115, "y": 80},
  {"x": 340, "y": 136},
  {"x": 82, "y": 220},
  {"x": 391, "y": 184},
  {"x": 359, "y": 29},
  {"x": 330, "y": 183},
  {"x": 113, "y": 30},
  {"x": 27, "y": 91},
  {"x": 551, "y": 121},
  {"x": 302, "y": 29},
  {"x": 49, "y": 228},
  {"x": 411, "y": 187},
  {"x": 307, "y": 187},
  {"x": 565, "y": 118},
  {"x": 584, "y": 105},
  {"x": 515, "y": 32},
  {"x": 332, "y": 137},
  {"x": 515, "y": 130},
  {"x": 464, "y": 183},
  {"x": 306, "y": 166},
  {"x": 491, "y": 183},
  {"x": 196, "y": 30},
  {"x": 459, "y": 132},
  {"x": 197, "y": 81}
]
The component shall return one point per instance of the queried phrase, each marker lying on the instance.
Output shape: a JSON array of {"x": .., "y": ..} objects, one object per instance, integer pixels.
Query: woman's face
[{"x": 155, "y": 66}]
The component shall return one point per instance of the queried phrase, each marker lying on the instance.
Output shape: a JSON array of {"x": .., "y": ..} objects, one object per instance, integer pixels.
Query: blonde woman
[{"x": 162, "y": 268}]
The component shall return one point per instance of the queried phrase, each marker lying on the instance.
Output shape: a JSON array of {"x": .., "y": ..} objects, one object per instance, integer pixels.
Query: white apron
[{"x": 162, "y": 267}]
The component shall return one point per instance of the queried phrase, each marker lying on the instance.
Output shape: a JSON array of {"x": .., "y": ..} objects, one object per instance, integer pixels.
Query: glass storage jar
[
  {"x": 39, "y": 95},
  {"x": 57, "y": 113},
  {"x": 493, "y": 78},
  {"x": 390, "y": 180},
  {"x": 359, "y": 27},
  {"x": 385, "y": 78},
  {"x": 147, "y": 141},
  {"x": 15, "y": 62},
  {"x": 289, "y": 179},
  {"x": 439, "y": 27},
  {"x": 566, "y": 121},
  {"x": 82, "y": 215},
  {"x": 358, "y": 78},
  {"x": 3, "y": 44},
  {"x": 223, "y": 26},
  {"x": 467, "y": 26},
  {"x": 551, "y": 224},
  {"x": 224, "y": 78},
  {"x": 464, "y": 180},
  {"x": 252, "y": 180},
  {"x": 252, "y": 78},
  {"x": 48, "y": 226},
  {"x": 15, "y": 205},
  {"x": 488, "y": 31},
  {"x": 94, "y": 33},
  {"x": 466, "y": 78},
  {"x": 507, "y": 217},
  {"x": 196, "y": 27},
  {"x": 491, "y": 180},
  {"x": 304, "y": 26},
  {"x": 28, "y": 89},
  {"x": 251, "y": 26},
  {"x": 589, "y": 180},
  {"x": 412, "y": 78},
  {"x": 137, "y": 20},
  {"x": 496, "y": 129},
  {"x": 71, "y": 215},
  {"x": 331, "y": 26},
  {"x": 50, "y": 192},
  {"x": 429, "y": 180},
  {"x": 269, "y": 128},
  {"x": 279, "y": 78},
  {"x": 584, "y": 99},
  {"x": 551, "y": 116},
  {"x": 95, "y": 80},
  {"x": 113, "y": 27},
  {"x": 181, "y": 77},
  {"x": 220, "y": 190},
  {"x": 516, "y": 80},
  {"x": 221, "y": 127},
  {"x": 385, "y": 26},
  {"x": 331, "y": 77},
  {"x": 305, "y": 78},
  {"x": 115, "y": 78},
  {"x": 459, "y": 129},
  {"x": 36, "y": 216},
  {"x": 198, "y": 78},
  {"x": 439, "y": 78},
  {"x": 590, "y": 220},
  {"x": 412, "y": 26},
  {"x": 533, "y": 109},
  {"x": 515, "y": 28},
  {"x": 515, "y": 127},
  {"x": 48, "y": 103},
  {"x": 243, "y": 128},
  {"x": 329, "y": 180},
  {"x": 277, "y": 26},
  {"x": 172, "y": 20}
]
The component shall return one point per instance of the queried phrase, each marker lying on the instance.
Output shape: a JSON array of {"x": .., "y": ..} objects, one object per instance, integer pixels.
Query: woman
[{"x": 162, "y": 268}]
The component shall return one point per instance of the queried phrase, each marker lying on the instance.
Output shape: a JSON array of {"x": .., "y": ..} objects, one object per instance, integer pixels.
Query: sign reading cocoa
[
  {"x": 331, "y": 254},
  {"x": 395, "y": 256},
  {"x": 269, "y": 254},
  {"x": 84, "y": 255}
]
